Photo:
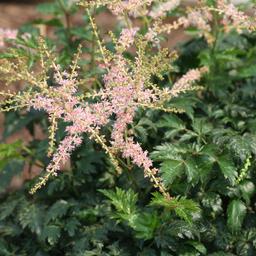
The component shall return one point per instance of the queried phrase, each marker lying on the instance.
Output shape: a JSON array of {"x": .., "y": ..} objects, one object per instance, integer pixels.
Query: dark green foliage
[{"x": 11, "y": 163}]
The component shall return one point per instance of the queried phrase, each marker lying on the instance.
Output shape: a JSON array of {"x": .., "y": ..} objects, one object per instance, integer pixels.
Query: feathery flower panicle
[
  {"x": 118, "y": 73},
  {"x": 135, "y": 152},
  {"x": 199, "y": 18},
  {"x": 127, "y": 36},
  {"x": 152, "y": 36},
  {"x": 161, "y": 10},
  {"x": 7, "y": 34},
  {"x": 233, "y": 18},
  {"x": 63, "y": 153},
  {"x": 121, "y": 7},
  {"x": 129, "y": 6},
  {"x": 185, "y": 82},
  {"x": 127, "y": 86}
]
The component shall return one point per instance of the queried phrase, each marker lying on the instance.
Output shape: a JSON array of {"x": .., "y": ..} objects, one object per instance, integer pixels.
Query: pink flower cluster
[
  {"x": 7, "y": 34},
  {"x": 126, "y": 38},
  {"x": 125, "y": 96},
  {"x": 184, "y": 83},
  {"x": 232, "y": 16},
  {"x": 123, "y": 93},
  {"x": 152, "y": 36},
  {"x": 62, "y": 155},
  {"x": 163, "y": 8},
  {"x": 132, "y": 7},
  {"x": 199, "y": 18}
]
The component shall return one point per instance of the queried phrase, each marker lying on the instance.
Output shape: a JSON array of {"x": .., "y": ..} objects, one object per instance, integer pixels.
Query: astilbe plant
[{"x": 127, "y": 83}]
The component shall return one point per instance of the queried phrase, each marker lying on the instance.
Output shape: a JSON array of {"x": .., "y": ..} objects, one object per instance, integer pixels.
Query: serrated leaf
[
  {"x": 240, "y": 146},
  {"x": 236, "y": 213},
  {"x": 171, "y": 121},
  {"x": 32, "y": 216},
  {"x": 191, "y": 170},
  {"x": 8, "y": 207},
  {"x": 187, "y": 136},
  {"x": 204, "y": 165},
  {"x": 184, "y": 208},
  {"x": 145, "y": 225},
  {"x": 227, "y": 168},
  {"x": 201, "y": 126},
  {"x": 168, "y": 151},
  {"x": 51, "y": 233},
  {"x": 124, "y": 202},
  {"x": 170, "y": 170},
  {"x": 199, "y": 247},
  {"x": 185, "y": 102},
  {"x": 57, "y": 210},
  {"x": 10, "y": 229},
  {"x": 71, "y": 226},
  {"x": 247, "y": 189}
]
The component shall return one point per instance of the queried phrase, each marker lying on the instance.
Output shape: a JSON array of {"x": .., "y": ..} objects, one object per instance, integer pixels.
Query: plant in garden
[
  {"x": 127, "y": 86},
  {"x": 128, "y": 98}
]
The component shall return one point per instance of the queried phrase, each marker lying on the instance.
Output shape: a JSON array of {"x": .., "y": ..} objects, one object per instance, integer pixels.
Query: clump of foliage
[{"x": 101, "y": 112}]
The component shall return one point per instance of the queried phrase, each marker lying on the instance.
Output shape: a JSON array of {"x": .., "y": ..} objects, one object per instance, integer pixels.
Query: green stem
[{"x": 94, "y": 42}]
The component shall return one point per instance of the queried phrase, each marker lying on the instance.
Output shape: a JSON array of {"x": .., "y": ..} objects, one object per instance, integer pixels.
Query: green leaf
[
  {"x": 236, "y": 213},
  {"x": 8, "y": 207},
  {"x": 71, "y": 226},
  {"x": 124, "y": 202},
  {"x": 201, "y": 126},
  {"x": 10, "y": 149},
  {"x": 171, "y": 121},
  {"x": 10, "y": 229},
  {"x": 204, "y": 166},
  {"x": 51, "y": 233},
  {"x": 212, "y": 201},
  {"x": 168, "y": 151},
  {"x": 145, "y": 225},
  {"x": 248, "y": 71},
  {"x": 170, "y": 170},
  {"x": 227, "y": 168},
  {"x": 52, "y": 22},
  {"x": 199, "y": 247},
  {"x": 32, "y": 217},
  {"x": 240, "y": 146},
  {"x": 191, "y": 170},
  {"x": 247, "y": 189},
  {"x": 184, "y": 208},
  {"x": 11, "y": 169},
  {"x": 58, "y": 209},
  {"x": 9, "y": 152},
  {"x": 185, "y": 102}
]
